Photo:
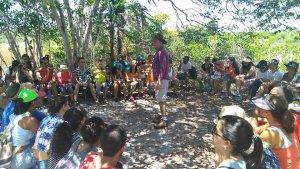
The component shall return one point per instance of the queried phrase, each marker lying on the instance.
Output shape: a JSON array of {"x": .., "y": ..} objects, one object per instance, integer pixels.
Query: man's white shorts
[{"x": 161, "y": 93}]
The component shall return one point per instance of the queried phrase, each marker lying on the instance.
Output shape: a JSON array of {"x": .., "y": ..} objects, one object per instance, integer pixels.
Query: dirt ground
[{"x": 186, "y": 143}]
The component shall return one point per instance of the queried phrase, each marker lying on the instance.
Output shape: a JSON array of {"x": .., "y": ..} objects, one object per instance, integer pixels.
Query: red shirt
[
  {"x": 63, "y": 78},
  {"x": 42, "y": 72}
]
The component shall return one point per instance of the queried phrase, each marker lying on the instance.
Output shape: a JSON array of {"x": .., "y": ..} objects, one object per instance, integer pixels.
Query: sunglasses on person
[{"x": 214, "y": 132}]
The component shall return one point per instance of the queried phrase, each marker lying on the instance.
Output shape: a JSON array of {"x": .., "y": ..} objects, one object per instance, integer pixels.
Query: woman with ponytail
[
  {"x": 235, "y": 144},
  {"x": 65, "y": 135},
  {"x": 280, "y": 135},
  {"x": 57, "y": 108}
]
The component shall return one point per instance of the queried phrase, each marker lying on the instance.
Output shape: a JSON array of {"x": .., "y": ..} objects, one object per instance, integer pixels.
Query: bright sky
[{"x": 226, "y": 20}]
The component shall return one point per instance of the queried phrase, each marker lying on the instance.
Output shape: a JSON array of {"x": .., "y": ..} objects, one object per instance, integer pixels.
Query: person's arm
[{"x": 277, "y": 79}]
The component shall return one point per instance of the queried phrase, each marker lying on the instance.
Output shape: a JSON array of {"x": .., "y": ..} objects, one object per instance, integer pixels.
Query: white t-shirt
[
  {"x": 236, "y": 164},
  {"x": 262, "y": 75},
  {"x": 274, "y": 76},
  {"x": 186, "y": 67}
]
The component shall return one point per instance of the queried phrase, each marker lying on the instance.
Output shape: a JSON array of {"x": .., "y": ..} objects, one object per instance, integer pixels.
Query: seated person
[
  {"x": 261, "y": 76},
  {"x": 119, "y": 80},
  {"x": 82, "y": 77},
  {"x": 185, "y": 66},
  {"x": 172, "y": 75},
  {"x": 30, "y": 63},
  {"x": 65, "y": 81},
  {"x": 112, "y": 142},
  {"x": 291, "y": 76},
  {"x": 11, "y": 72},
  {"x": 235, "y": 144},
  {"x": 280, "y": 134},
  {"x": 90, "y": 132},
  {"x": 149, "y": 73},
  {"x": 274, "y": 77},
  {"x": 247, "y": 74},
  {"x": 99, "y": 73},
  {"x": 216, "y": 79},
  {"x": 141, "y": 66},
  {"x": 135, "y": 80},
  {"x": 207, "y": 71},
  {"x": 46, "y": 77},
  {"x": 231, "y": 71},
  {"x": 24, "y": 74}
]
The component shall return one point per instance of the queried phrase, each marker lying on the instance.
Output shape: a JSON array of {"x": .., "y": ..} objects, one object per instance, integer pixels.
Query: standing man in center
[{"x": 161, "y": 69}]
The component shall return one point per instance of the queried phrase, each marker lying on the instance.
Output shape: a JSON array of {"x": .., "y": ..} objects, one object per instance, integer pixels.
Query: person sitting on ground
[
  {"x": 82, "y": 77},
  {"x": 91, "y": 132},
  {"x": 247, "y": 74},
  {"x": 65, "y": 135},
  {"x": 184, "y": 66},
  {"x": 23, "y": 129},
  {"x": 65, "y": 81},
  {"x": 274, "y": 77},
  {"x": 11, "y": 72},
  {"x": 219, "y": 71},
  {"x": 99, "y": 73},
  {"x": 118, "y": 77},
  {"x": 235, "y": 144},
  {"x": 135, "y": 81},
  {"x": 207, "y": 71},
  {"x": 46, "y": 77},
  {"x": 280, "y": 135},
  {"x": 113, "y": 142},
  {"x": 29, "y": 62},
  {"x": 57, "y": 108},
  {"x": 261, "y": 76},
  {"x": 24, "y": 74},
  {"x": 231, "y": 71}
]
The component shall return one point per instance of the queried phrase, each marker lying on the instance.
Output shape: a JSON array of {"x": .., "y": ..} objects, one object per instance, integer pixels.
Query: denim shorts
[{"x": 65, "y": 90}]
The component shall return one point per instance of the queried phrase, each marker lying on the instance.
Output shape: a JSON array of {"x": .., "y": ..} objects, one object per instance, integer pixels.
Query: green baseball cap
[{"x": 28, "y": 95}]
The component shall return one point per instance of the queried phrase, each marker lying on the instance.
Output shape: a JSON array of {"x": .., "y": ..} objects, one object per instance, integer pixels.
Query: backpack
[
  {"x": 193, "y": 73},
  {"x": 6, "y": 149},
  {"x": 73, "y": 159}
]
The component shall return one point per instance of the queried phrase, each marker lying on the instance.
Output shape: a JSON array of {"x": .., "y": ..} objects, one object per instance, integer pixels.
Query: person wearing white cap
[{"x": 65, "y": 81}]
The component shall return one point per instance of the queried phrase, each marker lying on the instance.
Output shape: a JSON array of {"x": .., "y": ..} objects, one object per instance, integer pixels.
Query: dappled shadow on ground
[{"x": 186, "y": 143}]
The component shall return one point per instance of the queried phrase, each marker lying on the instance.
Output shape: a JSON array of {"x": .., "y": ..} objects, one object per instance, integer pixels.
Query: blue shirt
[
  {"x": 8, "y": 110},
  {"x": 45, "y": 132}
]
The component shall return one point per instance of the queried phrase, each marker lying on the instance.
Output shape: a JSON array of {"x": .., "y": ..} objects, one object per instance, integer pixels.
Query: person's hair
[
  {"x": 235, "y": 65},
  {"x": 21, "y": 106},
  {"x": 214, "y": 60},
  {"x": 62, "y": 137},
  {"x": 282, "y": 114},
  {"x": 135, "y": 69},
  {"x": 92, "y": 129},
  {"x": 112, "y": 140},
  {"x": 240, "y": 134},
  {"x": 186, "y": 57},
  {"x": 80, "y": 58},
  {"x": 56, "y": 103}
]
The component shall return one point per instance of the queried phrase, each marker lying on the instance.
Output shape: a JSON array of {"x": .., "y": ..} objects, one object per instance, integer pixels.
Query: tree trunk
[
  {"x": 112, "y": 37},
  {"x": 121, "y": 27},
  {"x": 60, "y": 21},
  {"x": 89, "y": 29},
  {"x": 13, "y": 45},
  {"x": 73, "y": 30}
]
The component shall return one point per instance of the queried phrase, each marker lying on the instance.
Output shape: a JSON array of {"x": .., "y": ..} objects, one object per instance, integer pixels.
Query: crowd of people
[{"x": 66, "y": 137}]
